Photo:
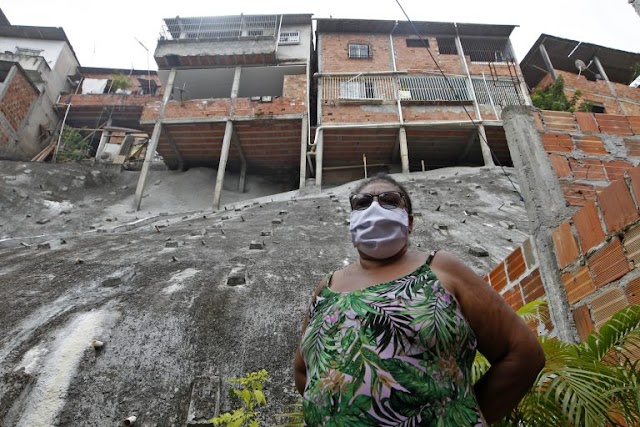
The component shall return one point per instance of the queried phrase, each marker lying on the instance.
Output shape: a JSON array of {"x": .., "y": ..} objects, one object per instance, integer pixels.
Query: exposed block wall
[{"x": 18, "y": 98}]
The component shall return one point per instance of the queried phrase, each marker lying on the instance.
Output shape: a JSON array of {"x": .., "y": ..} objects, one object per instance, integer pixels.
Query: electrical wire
[{"x": 473, "y": 122}]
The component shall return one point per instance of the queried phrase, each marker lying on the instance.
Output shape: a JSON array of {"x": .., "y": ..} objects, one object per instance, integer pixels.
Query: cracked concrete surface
[{"x": 173, "y": 327}]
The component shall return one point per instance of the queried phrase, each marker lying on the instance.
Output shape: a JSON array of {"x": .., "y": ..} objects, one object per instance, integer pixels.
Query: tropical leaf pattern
[{"x": 394, "y": 354}]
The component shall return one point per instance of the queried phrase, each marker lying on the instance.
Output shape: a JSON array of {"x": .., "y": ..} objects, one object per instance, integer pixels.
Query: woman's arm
[
  {"x": 503, "y": 338},
  {"x": 299, "y": 368}
]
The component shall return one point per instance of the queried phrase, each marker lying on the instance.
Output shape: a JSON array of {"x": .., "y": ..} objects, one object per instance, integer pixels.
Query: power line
[{"x": 473, "y": 122}]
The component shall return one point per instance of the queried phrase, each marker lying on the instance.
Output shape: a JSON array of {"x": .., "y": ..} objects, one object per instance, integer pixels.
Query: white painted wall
[
  {"x": 297, "y": 51},
  {"x": 51, "y": 49}
]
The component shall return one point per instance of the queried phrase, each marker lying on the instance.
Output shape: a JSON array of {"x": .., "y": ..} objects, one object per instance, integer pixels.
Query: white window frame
[
  {"x": 360, "y": 51},
  {"x": 289, "y": 38}
]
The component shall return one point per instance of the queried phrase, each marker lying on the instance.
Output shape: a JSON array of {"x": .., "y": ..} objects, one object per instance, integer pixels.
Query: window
[
  {"x": 359, "y": 51},
  {"x": 596, "y": 107},
  {"x": 289, "y": 37},
  {"x": 357, "y": 90},
  {"x": 28, "y": 52},
  {"x": 447, "y": 45},
  {"x": 486, "y": 49},
  {"x": 417, "y": 42}
]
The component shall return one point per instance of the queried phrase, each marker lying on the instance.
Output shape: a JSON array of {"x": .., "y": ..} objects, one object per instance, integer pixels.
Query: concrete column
[
  {"x": 484, "y": 143},
  {"x": 547, "y": 62},
  {"x": 104, "y": 137},
  {"x": 545, "y": 204},
  {"x": 155, "y": 138},
  {"x": 319, "y": 150},
  {"x": 243, "y": 161},
  {"x": 226, "y": 142},
  {"x": 303, "y": 150},
  {"x": 612, "y": 89},
  {"x": 404, "y": 150}
]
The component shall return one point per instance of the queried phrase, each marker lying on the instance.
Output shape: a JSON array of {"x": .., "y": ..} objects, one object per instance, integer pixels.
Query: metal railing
[
  {"x": 500, "y": 92},
  {"x": 359, "y": 87},
  {"x": 434, "y": 88},
  {"x": 487, "y": 49},
  {"x": 220, "y": 27}
]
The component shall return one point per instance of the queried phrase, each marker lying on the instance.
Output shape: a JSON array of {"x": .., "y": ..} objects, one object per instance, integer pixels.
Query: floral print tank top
[{"x": 393, "y": 354}]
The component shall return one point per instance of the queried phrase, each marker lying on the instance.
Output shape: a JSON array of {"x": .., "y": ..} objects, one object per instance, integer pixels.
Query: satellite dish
[{"x": 580, "y": 65}]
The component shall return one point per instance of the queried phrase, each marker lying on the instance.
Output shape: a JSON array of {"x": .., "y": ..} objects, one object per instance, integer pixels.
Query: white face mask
[{"x": 378, "y": 232}]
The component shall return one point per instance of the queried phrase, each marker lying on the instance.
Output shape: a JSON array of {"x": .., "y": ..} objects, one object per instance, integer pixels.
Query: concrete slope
[{"x": 183, "y": 303}]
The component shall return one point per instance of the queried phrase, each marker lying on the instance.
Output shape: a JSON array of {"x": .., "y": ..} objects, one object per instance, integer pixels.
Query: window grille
[
  {"x": 359, "y": 51},
  {"x": 434, "y": 88},
  {"x": 447, "y": 45},
  {"x": 499, "y": 92},
  {"x": 289, "y": 37},
  {"x": 378, "y": 88},
  {"x": 486, "y": 49}
]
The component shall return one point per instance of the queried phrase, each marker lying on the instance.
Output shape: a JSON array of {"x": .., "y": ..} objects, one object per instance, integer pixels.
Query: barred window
[
  {"x": 359, "y": 51},
  {"x": 289, "y": 37}
]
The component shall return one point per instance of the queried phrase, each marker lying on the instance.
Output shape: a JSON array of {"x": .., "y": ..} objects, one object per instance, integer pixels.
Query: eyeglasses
[{"x": 388, "y": 200}]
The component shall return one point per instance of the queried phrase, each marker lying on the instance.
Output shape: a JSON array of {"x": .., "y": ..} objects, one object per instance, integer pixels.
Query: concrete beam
[
  {"x": 303, "y": 151},
  {"x": 547, "y": 62},
  {"x": 612, "y": 88},
  {"x": 546, "y": 207},
  {"x": 153, "y": 142},
  {"x": 196, "y": 120},
  {"x": 226, "y": 142}
]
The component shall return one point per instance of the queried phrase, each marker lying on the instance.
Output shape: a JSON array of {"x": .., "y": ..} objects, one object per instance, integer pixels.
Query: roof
[
  {"x": 3, "y": 19},
  {"x": 38, "y": 33},
  {"x": 618, "y": 64},
  {"x": 126, "y": 71},
  {"x": 332, "y": 25}
]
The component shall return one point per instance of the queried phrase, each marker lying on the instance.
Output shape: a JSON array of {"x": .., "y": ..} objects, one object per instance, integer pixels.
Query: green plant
[
  {"x": 74, "y": 146},
  {"x": 554, "y": 98},
  {"x": 248, "y": 393},
  {"x": 594, "y": 383},
  {"x": 120, "y": 81}
]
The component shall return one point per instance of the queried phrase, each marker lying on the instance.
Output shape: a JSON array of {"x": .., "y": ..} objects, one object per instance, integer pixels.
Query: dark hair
[{"x": 388, "y": 179}]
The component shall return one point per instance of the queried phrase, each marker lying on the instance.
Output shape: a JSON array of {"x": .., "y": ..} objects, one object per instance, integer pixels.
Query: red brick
[
  {"x": 582, "y": 316},
  {"x": 532, "y": 286},
  {"x": 565, "y": 245},
  {"x": 587, "y": 169},
  {"x": 579, "y": 194},
  {"x": 634, "y": 122},
  {"x": 633, "y": 147},
  {"x": 616, "y": 169},
  {"x": 498, "y": 277},
  {"x": 607, "y": 304},
  {"x": 513, "y": 297},
  {"x": 557, "y": 143},
  {"x": 560, "y": 165},
  {"x": 559, "y": 121},
  {"x": 578, "y": 284},
  {"x": 633, "y": 292},
  {"x": 617, "y": 207},
  {"x": 515, "y": 264},
  {"x": 608, "y": 263},
  {"x": 587, "y": 123},
  {"x": 588, "y": 227},
  {"x": 18, "y": 97},
  {"x": 634, "y": 175},
  {"x": 590, "y": 145},
  {"x": 538, "y": 120},
  {"x": 613, "y": 124}
]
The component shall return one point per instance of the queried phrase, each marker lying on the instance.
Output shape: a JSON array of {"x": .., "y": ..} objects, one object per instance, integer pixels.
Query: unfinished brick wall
[
  {"x": 418, "y": 60},
  {"x": 517, "y": 278},
  {"x": 589, "y": 151},
  {"x": 134, "y": 83},
  {"x": 18, "y": 98},
  {"x": 598, "y": 91},
  {"x": 598, "y": 249}
]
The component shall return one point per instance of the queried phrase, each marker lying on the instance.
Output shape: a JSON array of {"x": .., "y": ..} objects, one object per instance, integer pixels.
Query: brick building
[
  {"x": 42, "y": 59},
  {"x": 236, "y": 96},
  {"x": 382, "y": 99},
  {"x": 106, "y": 105},
  {"x": 603, "y": 75}
]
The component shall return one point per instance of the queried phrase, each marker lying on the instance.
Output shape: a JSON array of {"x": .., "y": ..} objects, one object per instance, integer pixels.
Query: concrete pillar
[
  {"x": 243, "y": 161},
  {"x": 104, "y": 137},
  {"x": 545, "y": 204},
  {"x": 303, "y": 150},
  {"x": 547, "y": 62},
  {"x": 484, "y": 146},
  {"x": 404, "y": 150},
  {"x": 155, "y": 138},
  {"x": 319, "y": 150},
  {"x": 226, "y": 142},
  {"x": 612, "y": 88}
]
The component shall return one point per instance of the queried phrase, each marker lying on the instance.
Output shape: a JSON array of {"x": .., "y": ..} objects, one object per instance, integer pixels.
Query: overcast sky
[{"x": 103, "y": 34}]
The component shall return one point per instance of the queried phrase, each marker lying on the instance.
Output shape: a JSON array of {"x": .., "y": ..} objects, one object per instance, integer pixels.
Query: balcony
[{"x": 218, "y": 41}]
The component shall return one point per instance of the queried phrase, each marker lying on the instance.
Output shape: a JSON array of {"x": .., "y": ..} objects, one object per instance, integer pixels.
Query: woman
[{"x": 390, "y": 339}]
